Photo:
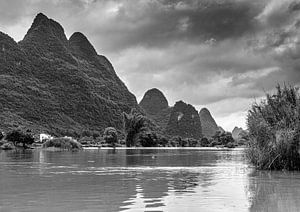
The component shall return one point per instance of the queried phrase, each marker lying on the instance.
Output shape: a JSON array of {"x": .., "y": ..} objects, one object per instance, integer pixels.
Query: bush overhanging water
[{"x": 274, "y": 130}]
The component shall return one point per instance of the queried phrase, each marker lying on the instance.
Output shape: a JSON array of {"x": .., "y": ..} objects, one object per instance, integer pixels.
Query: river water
[{"x": 142, "y": 180}]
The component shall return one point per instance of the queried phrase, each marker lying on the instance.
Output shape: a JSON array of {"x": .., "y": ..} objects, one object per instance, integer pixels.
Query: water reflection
[
  {"x": 141, "y": 180},
  {"x": 17, "y": 155},
  {"x": 274, "y": 191}
]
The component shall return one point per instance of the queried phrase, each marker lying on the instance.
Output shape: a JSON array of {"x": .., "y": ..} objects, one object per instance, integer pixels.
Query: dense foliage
[
  {"x": 274, "y": 130},
  {"x": 1, "y": 136},
  {"x": 140, "y": 130},
  {"x": 208, "y": 124},
  {"x": 156, "y": 107},
  {"x": 222, "y": 139},
  {"x": 184, "y": 121},
  {"x": 177, "y": 141},
  {"x": 60, "y": 86},
  {"x": 110, "y": 136},
  {"x": 19, "y": 137},
  {"x": 63, "y": 143}
]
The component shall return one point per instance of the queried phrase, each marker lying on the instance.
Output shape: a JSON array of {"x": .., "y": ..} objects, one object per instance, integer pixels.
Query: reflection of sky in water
[
  {"x": 141, "y": 180},
  {"x": 193, "y": 189}
]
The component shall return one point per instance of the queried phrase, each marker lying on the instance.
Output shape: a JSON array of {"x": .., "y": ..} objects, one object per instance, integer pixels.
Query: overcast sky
[{"x": 221, "y": 54}]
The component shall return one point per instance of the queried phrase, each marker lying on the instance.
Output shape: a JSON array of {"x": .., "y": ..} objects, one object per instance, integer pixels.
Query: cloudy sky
[{"x": 221, "y": 54}]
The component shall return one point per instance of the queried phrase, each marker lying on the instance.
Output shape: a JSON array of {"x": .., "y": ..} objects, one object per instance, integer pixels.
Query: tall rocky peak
[
  {"x": 81, "y": 46},
  {"x": 184, "y": 121},
  {"x": 46, "y": 87},
  {"x": 7, "y": 43},
  {"x": 46, "y": 27},
  {"x": 209, "y": 125},
  {"x": 156, "y": 107},
  {"x": 46, "y": 38},
  {"x": 10, "y": 54},
  {"x": 154, "y": 101},
  {"x": 4, "y": 38}
]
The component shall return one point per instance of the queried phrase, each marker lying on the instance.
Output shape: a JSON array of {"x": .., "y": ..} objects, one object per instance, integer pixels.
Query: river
[{"x": 207, "y": 180}]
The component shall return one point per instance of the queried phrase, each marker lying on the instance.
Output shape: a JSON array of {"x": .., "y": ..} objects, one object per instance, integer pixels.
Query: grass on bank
[{"x": 274, "y": 131}]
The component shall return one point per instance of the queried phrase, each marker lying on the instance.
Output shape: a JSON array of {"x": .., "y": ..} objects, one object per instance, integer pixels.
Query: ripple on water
[{"x": 133, "y": 180}]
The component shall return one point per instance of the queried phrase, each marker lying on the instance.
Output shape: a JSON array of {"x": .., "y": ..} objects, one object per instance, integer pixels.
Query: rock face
[
  {"x": 154, "y": 101},
  {"x": 156, "y": 107},
  {"x": 208, "y": 124},
  {"x": 52, "y": 84},
  {"x": 180, "y": 120},
  {"x": 81, "y": 47},
  {"x": 184, "y": 121}
]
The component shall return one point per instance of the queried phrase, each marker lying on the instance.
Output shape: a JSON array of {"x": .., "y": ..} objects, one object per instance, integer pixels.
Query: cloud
[
  {"x": 214, "y": 53},
  {"x": 199, "y": 74}
]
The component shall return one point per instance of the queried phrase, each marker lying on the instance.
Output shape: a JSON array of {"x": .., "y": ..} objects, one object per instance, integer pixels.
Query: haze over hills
[{"x": 49, "y": 83}]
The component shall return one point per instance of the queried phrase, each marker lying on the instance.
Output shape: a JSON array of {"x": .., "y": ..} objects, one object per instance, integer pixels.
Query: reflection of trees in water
[
  {"x": 154, "y": 186},
  {"x": 164, "y": 173},
  {"x": 175, "y": 157},
  {"x": 185, "y": 181},
  {"x": 274, "y": 191},
  {"x": 18, "y": 155}
]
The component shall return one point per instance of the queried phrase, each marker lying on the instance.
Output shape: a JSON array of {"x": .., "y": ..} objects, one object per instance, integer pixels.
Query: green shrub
[
  {"x": 274, "y": 131},
  {"x": 190, "y": 142},
  {"x": 204, "y": 142},
  {"x": 135, "y": 124},
  {"x": 148, "y": 139},
  {"x": 221, "y": 138},
  {"x": 175, "y": 141},
  {"x": 17, "y": 137},
  {"x": 162, "y": 140},
  {"x": 214, "y": 143},
  {"x": 63, "y": 143},
  {"x": 110, "y": 136},
  {"x": 230, "y": 145}
]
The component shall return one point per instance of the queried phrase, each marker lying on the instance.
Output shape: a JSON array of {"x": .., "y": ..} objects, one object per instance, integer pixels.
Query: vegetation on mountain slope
[
  {"x": 59, "y": 86},
  {"x": 208, "y": 124},
  {"x": 184, "y": 121}
]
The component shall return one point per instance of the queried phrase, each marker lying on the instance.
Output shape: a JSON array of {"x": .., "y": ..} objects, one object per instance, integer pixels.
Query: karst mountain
[{"x": 54, "y": 84}]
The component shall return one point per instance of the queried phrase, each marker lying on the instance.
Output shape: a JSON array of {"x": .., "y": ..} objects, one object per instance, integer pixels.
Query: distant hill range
[
  {"x": 54, "y": 84},
  {"x": 180, "y": 120}
]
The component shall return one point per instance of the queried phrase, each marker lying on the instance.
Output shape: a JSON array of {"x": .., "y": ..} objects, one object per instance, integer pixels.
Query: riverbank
[{"x": 170, "y": 148}]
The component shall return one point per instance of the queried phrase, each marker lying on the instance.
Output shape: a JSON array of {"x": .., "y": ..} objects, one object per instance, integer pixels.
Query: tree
[
  {"x": 111, "y": 136},
  {"x": 95, "y": 135},
  {"x": 176, "y": 141},
  {"x": 17, "y": 136},
  {"x": 222, "y": 138},
  {"x": 134, "y": 124},
  {"x": 148, "y": 139},
  {"x": 204, "y": 142}
]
